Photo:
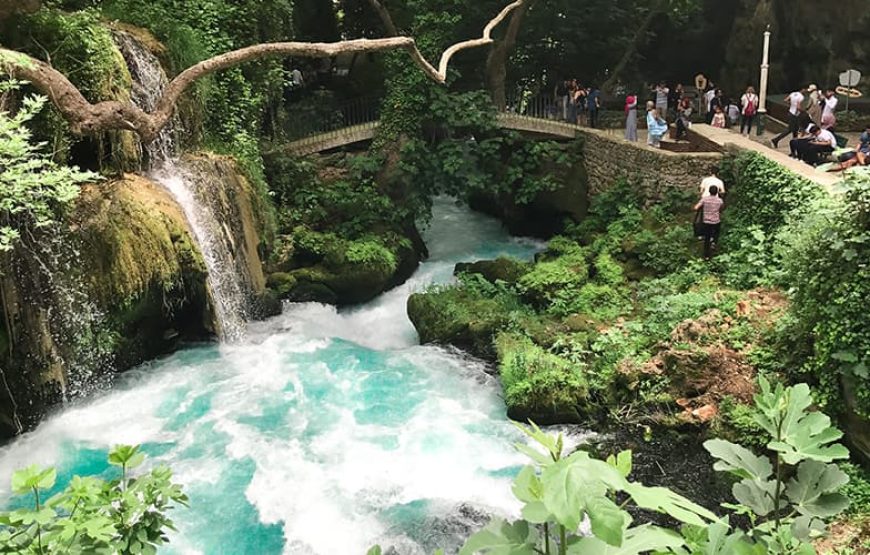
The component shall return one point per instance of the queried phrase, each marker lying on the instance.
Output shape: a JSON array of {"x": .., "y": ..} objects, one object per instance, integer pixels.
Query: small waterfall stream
[{"x": 192, "y": 190}]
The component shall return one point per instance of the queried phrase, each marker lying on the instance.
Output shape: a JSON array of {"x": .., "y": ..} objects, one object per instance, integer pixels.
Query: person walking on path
[
  {"x": 829, "y": 120},
  {"x": 814, "y": 107},
  {"x": 631, "y": 118},
  {"x": 710, "y": 181},
  {"x": 795, "y": 101},
  {"x": 748, "y": 109},
  {"x": 711, "y": 207}
]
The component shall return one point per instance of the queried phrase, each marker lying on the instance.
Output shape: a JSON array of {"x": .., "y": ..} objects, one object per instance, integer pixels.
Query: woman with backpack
[{"x": 748, "y": 109}]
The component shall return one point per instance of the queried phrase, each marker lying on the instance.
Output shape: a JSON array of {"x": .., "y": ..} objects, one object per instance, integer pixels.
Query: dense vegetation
[{"x": 616, "y": 320}]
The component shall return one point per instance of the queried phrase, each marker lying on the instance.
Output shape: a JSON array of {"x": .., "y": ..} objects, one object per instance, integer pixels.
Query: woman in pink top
[{"x": 712, "y": 207}]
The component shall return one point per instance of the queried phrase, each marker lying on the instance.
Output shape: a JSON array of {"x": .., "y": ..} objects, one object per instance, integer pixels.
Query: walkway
[{"x": 731, "y": 140}]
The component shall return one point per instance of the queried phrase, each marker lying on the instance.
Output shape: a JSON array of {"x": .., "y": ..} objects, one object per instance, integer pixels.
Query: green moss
[
  {"x": 562, "y": 272},
  {"x": 507, "y": 270},
  {"x": 538, "y": 385}
]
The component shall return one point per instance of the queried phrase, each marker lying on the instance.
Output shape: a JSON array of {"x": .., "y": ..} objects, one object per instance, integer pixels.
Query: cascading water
[
  {"x": 192, "y": 190},
  {"x": 323, "y": 432}
]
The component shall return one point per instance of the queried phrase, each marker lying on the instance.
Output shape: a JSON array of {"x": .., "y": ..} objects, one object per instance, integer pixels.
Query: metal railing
[{"x": 317, "y": 119}]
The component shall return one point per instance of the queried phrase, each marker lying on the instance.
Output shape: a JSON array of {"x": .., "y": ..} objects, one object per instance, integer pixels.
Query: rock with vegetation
[
  {"x": 508, "y": 270},
  {"x": 342, "y": 240}
]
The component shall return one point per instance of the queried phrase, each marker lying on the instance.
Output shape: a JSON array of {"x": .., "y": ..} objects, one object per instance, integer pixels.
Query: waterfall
[{"x": 193, "y": 190}]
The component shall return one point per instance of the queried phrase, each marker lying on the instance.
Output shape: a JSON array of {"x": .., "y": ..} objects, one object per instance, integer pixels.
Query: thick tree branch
[
  {"x": 496, "y": 61},
  {"x": 85, "y": 117}
]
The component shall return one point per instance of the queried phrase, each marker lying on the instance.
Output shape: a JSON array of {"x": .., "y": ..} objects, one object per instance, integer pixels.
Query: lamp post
[{"x": 762, "y": 89}]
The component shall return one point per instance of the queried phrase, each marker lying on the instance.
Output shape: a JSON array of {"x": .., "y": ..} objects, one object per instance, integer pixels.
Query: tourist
[
  {"x": 795, "y": 100},
  {"x": 578, "y": 101},
  {"x": 707, "y": 98},
  {"x": 662, "y": 91},
  {"x": 829, "y": 120},
  {"x": 711, "y": 210},
  {"x": 718, "y": 101},
  {"x": 656, "y": 126},
  {"x": 814, "y": 105},
  {"x": 733, "y": 113},
  {"x": 674, "y": 98},
  {"x": 631, "y": 118},
  {"x": 593, "y": 104},
  {"x": 562, "y": 98},
  {"x": 718, "y": 118},
  {"x": 858, "y": 157},
  {"x": 711, "y": 181},
  {"x": 822, "y": 141},
  {"x": 795, "y": 145},
  {"x": 684, "y": 118},
  {"x": 748, "y": 109}
]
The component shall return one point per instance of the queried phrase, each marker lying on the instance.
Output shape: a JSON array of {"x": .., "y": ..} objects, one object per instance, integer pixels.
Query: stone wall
[{"x": 609, "y": 158}]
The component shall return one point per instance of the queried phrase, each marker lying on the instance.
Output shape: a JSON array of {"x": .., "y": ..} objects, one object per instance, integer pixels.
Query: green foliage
[
  {"x": 33, "y": 189},
  {"x": 126, "y": 515},
  {"x": 786, "y": 512},
  {"x": 535, "y": 381},
  {"x": 825, "y": 263},
  {"x": 560, "y": 491}
]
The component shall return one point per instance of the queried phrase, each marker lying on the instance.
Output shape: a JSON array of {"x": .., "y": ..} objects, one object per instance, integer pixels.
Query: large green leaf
[
  {"x": 718, "y": 539},
  {"x": 808, "y": 438},
  {"x": 33, "y": 477},
  {"x": 571, "y": 481},
  {"x": 527, "y": 486},
  {"x": 666, "y": 501},
  {"x": 607, "y": 519},
  {"x": 814, "y": 490},
  {"x": 641, "y": 539},
  {"x": 758, "y": 495},
  {"x": 738, "y": 460},
  {"x": 502, "y": 538}
]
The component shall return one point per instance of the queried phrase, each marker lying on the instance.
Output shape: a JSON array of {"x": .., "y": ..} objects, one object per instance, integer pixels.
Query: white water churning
[{"x": 192, "y": 189}]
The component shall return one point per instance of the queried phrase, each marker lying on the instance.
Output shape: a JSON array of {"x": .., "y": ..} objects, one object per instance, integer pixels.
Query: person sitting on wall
[
  {"x": 655, "y": 124},
  {"x": 858, "y": 157},
  {"x": 822, "y": 141},
  {"x": 795, "y": 145}
]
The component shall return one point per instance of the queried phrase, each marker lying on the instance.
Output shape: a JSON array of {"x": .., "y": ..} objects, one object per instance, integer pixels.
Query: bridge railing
[{"x": 314, "y": 119}]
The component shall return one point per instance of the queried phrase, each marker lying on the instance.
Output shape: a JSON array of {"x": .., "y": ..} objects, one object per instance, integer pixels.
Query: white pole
[{"x": 762, "y": 94}]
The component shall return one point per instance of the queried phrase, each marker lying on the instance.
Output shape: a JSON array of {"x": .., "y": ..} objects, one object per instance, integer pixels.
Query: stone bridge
[{"x": 529, "y": 125}]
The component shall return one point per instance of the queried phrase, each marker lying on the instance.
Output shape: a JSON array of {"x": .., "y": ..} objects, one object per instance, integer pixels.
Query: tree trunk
[
  {"x": 636, "y": 43},
  {"x": 87, "y": 118},
  {"x": 496, "y": 61}
]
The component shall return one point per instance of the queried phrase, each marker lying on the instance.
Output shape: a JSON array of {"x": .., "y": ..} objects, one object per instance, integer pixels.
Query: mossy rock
[
  {"x": 282, "y": 283},
  {"x": 508, "y": 270},
  {"x": 470, "y": 327},
  {"x": 539, "y": 385}
]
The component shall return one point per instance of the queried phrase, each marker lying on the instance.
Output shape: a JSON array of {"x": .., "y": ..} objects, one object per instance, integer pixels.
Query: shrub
[{"x": 536, "y": 383}]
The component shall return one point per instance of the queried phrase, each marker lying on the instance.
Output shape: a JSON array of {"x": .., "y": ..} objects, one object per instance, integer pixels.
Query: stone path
[{"x": 731, "y": 140}]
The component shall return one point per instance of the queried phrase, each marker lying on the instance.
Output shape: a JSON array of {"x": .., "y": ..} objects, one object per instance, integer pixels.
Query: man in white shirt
[
  {"x": 823, "y": 141},
  {"x": 709, "y": 181},
  {"x": 795, "y": 101},
  {"x": 829, "y": 120}
]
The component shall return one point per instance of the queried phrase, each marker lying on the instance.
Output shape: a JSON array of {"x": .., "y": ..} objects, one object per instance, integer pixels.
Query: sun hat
[{"x": 812, "y": 88}]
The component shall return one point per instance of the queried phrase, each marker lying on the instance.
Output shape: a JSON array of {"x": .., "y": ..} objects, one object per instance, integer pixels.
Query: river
[{"x": 323, "y": 431}]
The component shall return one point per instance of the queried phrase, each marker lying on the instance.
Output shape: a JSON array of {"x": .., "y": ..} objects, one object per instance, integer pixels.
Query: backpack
[{"x": 750, "y": 107}]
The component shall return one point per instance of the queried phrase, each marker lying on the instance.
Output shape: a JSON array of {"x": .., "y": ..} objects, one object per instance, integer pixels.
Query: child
[{"x": 719, "y": 118}]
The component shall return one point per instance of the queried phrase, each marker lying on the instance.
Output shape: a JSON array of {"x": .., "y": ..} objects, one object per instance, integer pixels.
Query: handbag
[{"x": 698, "y": 224}]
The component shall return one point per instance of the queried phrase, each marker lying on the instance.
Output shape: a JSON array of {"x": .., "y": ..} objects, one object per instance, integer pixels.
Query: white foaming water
[
  {"x": 192, "y": 192},
  {"x": 323, "y": 432}
]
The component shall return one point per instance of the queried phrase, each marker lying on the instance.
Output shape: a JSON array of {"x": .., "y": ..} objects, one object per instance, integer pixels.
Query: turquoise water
[{"x": 322, "y": 432}]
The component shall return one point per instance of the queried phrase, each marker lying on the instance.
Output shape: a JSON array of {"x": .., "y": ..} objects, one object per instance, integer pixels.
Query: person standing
[
  {"x": 718, "y": 101},
  {"x": 711, "y": 207},
  {"x": 593, "y": 104},
  {"x": 748, "y": 109},
  {"x": 631, "y": 118},
  {"x": 814, "y": 105},
  {"x": 829, "y": 120},
  {"x": 795, "y": 100},
  {"x": 662, "y": 91},
  {"x": 674, "y": 98},
  {"x": 562, "y": 98},
  {"x": 710, "y": 181},
  {"x": 684, "y": 118},
  {"x": 718, "y": 119}
]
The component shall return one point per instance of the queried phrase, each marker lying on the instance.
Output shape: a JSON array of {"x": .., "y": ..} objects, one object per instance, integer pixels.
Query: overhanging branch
[{"x": 85, "y": 117}]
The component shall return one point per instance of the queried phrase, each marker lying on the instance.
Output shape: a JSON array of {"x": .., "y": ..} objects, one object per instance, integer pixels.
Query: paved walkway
[{"x": 732, "y": 140}]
